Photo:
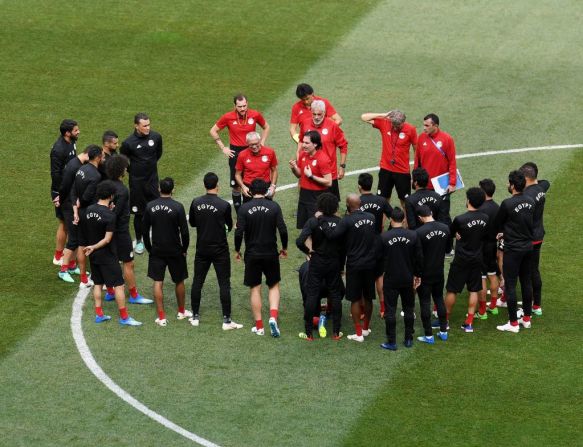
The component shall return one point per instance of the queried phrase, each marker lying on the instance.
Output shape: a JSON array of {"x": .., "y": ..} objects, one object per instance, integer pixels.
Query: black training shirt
[
  {"x": 403, "y": 257},
  {"x": 433, "y": 237},
  {"x": 211, "y": 216},
  {"x": 144, "y": 151},
  {"x": 121, "y": 199},
  {"x": 61, "y": 153},
  {"x": 85, "y": 186},
  {"x": 377, "y": 206},
  {"x": 490, "y": 209},
  {"x": 167, "y": 219},
  {"x": 515, "y": 221},
  {"x": 98, "y": 220},
  {"x": 537, "y": 192},
  {"x": 424, "y": 197},
  {"x": 257, "y": 221},
  {"x": 472, "y": 227},
  {"x": 69, "y": 173},
  {"x": 321, "y": 246}
]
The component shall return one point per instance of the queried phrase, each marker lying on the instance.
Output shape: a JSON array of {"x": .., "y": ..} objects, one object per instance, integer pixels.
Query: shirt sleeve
[
  {"x": 294, "y": 117},
  {"x": 410, "y": 211},
  {"x": 159, "y": 149},
  {"x": 260, "y": 120},
  {"x": 184, "y": 234},
  {"x": 282, "y": 228},
  {"x": 330, "y": 110},
  {"x": 57, "y": 165},
  {"x": 452, "y": 162},
  {"x": 239, "y": 231},
  {"x": 146, "y": 228},
  {"x": 304, "y": 235},
  {"x": 413, "y": 136},
  {"x": 228, "y": 217},
  {"x": 192, "y": 215},
  {"x": 110, "y": 227},
  {"x": 222, "y": 122},
  {"x": 341, "y": 142}
]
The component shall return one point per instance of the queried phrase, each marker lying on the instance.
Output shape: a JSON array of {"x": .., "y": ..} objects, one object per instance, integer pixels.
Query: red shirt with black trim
[
  {"x": 332, "y": 138},
  {"x": 256, "y": 165},
  {"x": 239, "y": 126},
  {"x": 436, "y": 153},
  {"x": 300, "y": 111},
  {"x": 320, "y": 164},
  {"x": 396, "y": 145}
]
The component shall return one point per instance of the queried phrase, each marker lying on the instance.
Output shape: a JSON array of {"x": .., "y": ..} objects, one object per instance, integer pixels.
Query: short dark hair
[
  {"x": 327, "y": 203},
  {"x": 365, "y": 181},
  {"x": 531, "y": 164},
  {"x": 516, "y": 179},
  {"x": 476, "y": 196},
  {"x": 93, "y": 151},
  {"x": 258, "y": 186},
  {"x": 303, "y": 90},
  {"x": 420, "y": 176},
  {"x": 529, "y": 171},
  {"x": 67, "y": 125},
  {"x": 167, "y": 185},
  {"x": 488, "y": 186},
  {"x": 423, "y": 211},
  {"x": 239, "y": 97},
  {"x": 105, "y": 190},
  {"x": 108, "y": 135},
  {"x": 314, "y": 137},
  {"x": 433, "y": 117},
  {"x": 397, "y": 214},
  {"x": 210, "y": 180},
  {"x": 140, "y": 116},
  {"x": 116, "y": 166}
]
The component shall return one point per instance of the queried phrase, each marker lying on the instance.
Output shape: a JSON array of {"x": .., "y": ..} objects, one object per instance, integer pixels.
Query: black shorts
[
  {"x": 379, "y": 269},
  {"x": 490, "y": 260},
  {"x": 72, "y": 229},
  {"x": 176, "y": 266},
  {"x": 124, "y": 246},
  {"x": 334, "y": 189},
  {"x": 256, "y": 267},
  {"x": 464, "y": 274},
  {"x": 388, "y": 180},
  {"x": 233, "y": 162},
  {"x": 81, "y": 232},
  {"x": 108, "y": 274},
  {"x": 142, "y": 192},
  {"x": 307, "y": 205},
  {"x": 59, "y": 213},
  {"x": 360, "y": 284}
]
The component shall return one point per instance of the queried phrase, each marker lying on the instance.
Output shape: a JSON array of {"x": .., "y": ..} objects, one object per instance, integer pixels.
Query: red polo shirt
[
  {"x": 437, "y": 155},
  {"x": 240, "y": 127},
  {"x": 332, "y": 138},
  {"x": 299, "y": 110},
  {"x": 320, "y": 164},
  {"x": 257, "y": 165},
  {"x": 396, "y": 145}
]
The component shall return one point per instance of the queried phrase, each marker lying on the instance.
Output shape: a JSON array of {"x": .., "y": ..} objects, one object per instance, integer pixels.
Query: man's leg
[
  {"x": 408, "y": 302},
  {"x": 379, "y": 287},
  {"x": 223, "y": 271},
  {"x": 525, "y": 274},
  {"x": 274, "y": 297},
  {"x": 437, "y": 293},
  {"x": 180, "y": 291},
  {"x": 391, "y": 295},
  {"x": 158, "y": 290},
  {"x": 201, "y": 268},
  {"x": 424, "y": 293},
  {"x": 60, "y": 240},
  {"x": 537, "y": 282},
  {"x": 511, "y": 266},
  {"x": 255, "y": 298},
  {"x": 312, "y": 299},
  {"x": 449, "y": 303}
]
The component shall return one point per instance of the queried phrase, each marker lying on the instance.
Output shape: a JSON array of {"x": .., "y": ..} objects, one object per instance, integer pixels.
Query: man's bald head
[{"x": 352, "y": 202}]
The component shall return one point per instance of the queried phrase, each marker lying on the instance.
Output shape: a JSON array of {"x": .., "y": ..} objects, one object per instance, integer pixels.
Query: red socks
[
  {"x": 514, "y": 323},
  {"x": 493, "y": 302},
  {"x": 358, "y": 328},
  {"x": 536, "y": 307},
  {"x": 84, "y": 278},
  {"x": 259, "y": 324},
  {"x": 123, "y": 313},
  {"x": 180, "y": 309},
  {"x": 273, "y": 313},
  {"x": 482, "y": 307},
  {"x": 161, "y": 315},
  {"x": 98, "y": 311},
  {"x": 315, "y": 321},
  {"x": 526, "y": 319},
  {"x": 58, "y": 254},
  {"x": 72, "y": 265},
  {"x": 366, "y": 324},
  {"x": 110, "y": 291},
  {"x": 134, "y": 293},
  {"x": 470, "y": 319},
  {"x": 64, "y": 268}
]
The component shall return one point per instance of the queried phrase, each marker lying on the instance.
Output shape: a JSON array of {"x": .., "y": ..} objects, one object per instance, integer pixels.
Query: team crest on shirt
[
  {"x": 402, "y": 136},
  {"x": 439, "y": 144},
  {"x": 324, "y": 131},
  {"x": 265, "y": 159},
  {"x": 315, "y": 162},
  {"x": 150, "y": 143},
  {"x": 250, "y": 121}
]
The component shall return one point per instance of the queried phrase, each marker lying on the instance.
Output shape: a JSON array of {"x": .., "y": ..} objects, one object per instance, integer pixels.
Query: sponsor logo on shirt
[
  {"x": 139, "y": 146},
  {"x": 235, "y": 122},
  {"x": 248, "y": 160}
]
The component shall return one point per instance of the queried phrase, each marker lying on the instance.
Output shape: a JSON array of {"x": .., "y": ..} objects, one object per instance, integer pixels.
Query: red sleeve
[
  {"x": 340, "y": 139},
  {"x": 274, "y": 160},
  {"x": 222, "y": 122},
  {"x": 413, "y": 136},
  {"x": 452, "y": 162},
  {"x": 294, "y": 118},
  {"x": 417, "y": 155},
  {"x": 260, "y": 120}
]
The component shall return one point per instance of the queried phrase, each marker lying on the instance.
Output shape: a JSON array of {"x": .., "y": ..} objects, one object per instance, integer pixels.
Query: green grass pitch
[{"x": 500, "y": 75}]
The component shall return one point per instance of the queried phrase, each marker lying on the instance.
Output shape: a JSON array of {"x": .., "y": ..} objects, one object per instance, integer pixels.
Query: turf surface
[{"x": 487, "y": 74}]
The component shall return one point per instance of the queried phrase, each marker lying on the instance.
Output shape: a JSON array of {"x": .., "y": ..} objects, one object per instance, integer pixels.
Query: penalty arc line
[{"x": 97, "y": 371}]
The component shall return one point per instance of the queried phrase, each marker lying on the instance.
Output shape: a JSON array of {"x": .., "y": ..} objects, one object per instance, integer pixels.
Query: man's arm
[
  {"x": 265, "y": 133},
  {"x": 325, "y": 180},
  {"x": 304, "y": 235},
  {"x": 239, "y": 180},
  {"x": 337, "y": 118},
  {"x": 159, "y": 149},
  {"x": 57, "y": 166},
  {"x": 224, "y": 149},
  {"x": 184, "y": 234},
  {"x": 239, "y": 232},
  {"x": 102, "y": 243},
  {"x": 146, "y": 224},
  {"x": 500, "y": 219},
  {"x": 370, "y": 116},
  {"x": 452, "y": 166},
  {"x": 282, "y": 228},
  {"x": 342, "y": 145},
  {"x": 410, "y": 212},
  {"x": 192, "y": 215},
  {"x": 228, "y": 217},
  {"x": 273, "y": 174},
  {"x": 293, "y": 164}
]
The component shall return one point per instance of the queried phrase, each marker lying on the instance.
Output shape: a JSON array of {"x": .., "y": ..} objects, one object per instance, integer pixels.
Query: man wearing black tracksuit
[
  {"x": 423, "y": 196},
  {"x": 433, "y": 237},
  {"x": 211, "y": 216},
  {"x": 144, "y": 149},
  {"x": 536, "y": 190},
  {"x": 403, "y": 263},
  {"x": 514, "y": 222},
  {"x": 325, "y": 265}
]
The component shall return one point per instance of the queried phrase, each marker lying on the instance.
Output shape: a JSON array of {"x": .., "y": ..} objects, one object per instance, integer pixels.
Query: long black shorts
[
  {"x": 176, "y": 266},
  {"x": 256, "y": 267},
  {"x": 142, "y": 192},
  {"x": 124, "y": 245},
  {"x": 389, "y": 180},
  {"x": 307, "y": 205},
  {"x": 72, "y": 230},
  {"x": 360, "y": 284},
  {"x": 464, "y": 274},
  {"x": 233, "y": 162},
  {"x": 108, "y": 274},
  {"x": 490, "y": 260}
]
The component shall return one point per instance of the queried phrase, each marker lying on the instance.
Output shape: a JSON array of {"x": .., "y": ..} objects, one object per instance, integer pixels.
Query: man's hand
[
  {"x": 499, "y": 236},
  {"x": 228, "y": 152},
  {"x": 308, "y": 171},
  {"x": 450, "y": 189},
  {"x": 245, "y": 191},
  {"x": 88, "y": 250},
  {"x": 57, "y": 201},
  {"x": 238, "y": 256},
  {"x": 340, "y": 173},
  {"x": 458, "y": 236},
  {"x": 282, "y": 254},
  {"x": 318, "y": 214},
  {"x": 293, "y": 164},
  {"x": 75, "y": 216},
  {"x": 416, "y": 281}
]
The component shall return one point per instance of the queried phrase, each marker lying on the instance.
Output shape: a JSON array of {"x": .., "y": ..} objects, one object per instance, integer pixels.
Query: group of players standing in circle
[{"x": 94, "y": 208}]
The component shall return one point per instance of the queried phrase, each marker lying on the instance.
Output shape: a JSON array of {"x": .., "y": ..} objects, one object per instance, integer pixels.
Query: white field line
[{"x": 87, "y": 356}]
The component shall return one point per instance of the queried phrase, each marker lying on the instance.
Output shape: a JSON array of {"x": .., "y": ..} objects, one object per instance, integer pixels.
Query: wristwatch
[{"x": 343, "y": 165}]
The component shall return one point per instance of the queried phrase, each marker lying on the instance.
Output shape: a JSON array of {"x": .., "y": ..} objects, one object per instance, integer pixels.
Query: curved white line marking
[{"x": 98, "y": 372}]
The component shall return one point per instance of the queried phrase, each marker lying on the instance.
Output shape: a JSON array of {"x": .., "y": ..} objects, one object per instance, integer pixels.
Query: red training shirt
[
  {"x": 320, "y": 164},
  {"x": 299, "y": 110},
  {"x": 257, "y": 165},
  {"x": 432, "y": 159},
  {"x": 332, "y": 138},
  {"x": 240, "y": 127},
  {"x": 396, "y": 145}
]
